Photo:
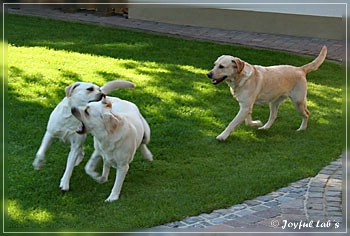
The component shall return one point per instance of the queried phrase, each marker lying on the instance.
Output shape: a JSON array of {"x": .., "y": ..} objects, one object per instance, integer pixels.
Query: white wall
[{"x": 299, "y": 7}]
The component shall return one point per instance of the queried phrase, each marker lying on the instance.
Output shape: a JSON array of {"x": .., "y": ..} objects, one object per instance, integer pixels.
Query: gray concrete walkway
[{"x": 309, "y": 205}]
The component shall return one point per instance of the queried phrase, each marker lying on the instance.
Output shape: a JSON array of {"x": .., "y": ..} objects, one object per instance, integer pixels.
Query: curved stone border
[
  {"x": 311, "y": 203},
  {"x": 324, "y": 195}
]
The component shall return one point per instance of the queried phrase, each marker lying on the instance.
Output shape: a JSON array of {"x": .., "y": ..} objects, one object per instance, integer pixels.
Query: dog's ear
[
  {"x": 239, "y": 63},
  {"x": 70, "y": 89},
  {"x": 106, "y": 102},
  {"x": 111, "y": 122}
]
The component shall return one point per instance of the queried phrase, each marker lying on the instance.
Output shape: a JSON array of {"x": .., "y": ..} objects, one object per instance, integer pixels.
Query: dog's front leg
[
  {"x": 90, "y": 166},
  {"x": 119, "y": 179},
  {"x": 249, "y": 121},
  {"x": 240, "y": 117},
  {"x": 75, "y": 151},
  {"x": 105, "y": 172}
]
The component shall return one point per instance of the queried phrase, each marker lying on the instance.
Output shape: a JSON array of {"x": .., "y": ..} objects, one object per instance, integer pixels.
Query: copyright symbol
[{"x": 275, "y": 223}]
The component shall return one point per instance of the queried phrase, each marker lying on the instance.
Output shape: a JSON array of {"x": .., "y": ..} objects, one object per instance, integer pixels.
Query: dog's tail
[
  {"x": 317, "y": 62},
  {"x": 116, "y": 84}
]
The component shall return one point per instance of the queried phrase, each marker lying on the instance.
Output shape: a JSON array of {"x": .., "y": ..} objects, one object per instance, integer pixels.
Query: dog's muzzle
[
  {"x": 216, "y": 81},
  {"x": 98, "y": 98},
  {"x": 82, "y": 128}
]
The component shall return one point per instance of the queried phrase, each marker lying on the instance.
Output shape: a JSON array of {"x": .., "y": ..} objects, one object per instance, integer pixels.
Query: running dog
[{"x": 252, "y": 84}]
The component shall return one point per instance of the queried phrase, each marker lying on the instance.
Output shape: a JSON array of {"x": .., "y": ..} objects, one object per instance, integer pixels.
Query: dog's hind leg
[
  {"x": 39, "y": 160},
  {"x": 302, "y": 108},
  {"x": 273, "y": 113},
  {"x": 298, "y": 96}
]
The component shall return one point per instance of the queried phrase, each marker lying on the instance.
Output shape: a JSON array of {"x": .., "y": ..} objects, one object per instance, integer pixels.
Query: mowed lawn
[{"x": 191, "y": 173}]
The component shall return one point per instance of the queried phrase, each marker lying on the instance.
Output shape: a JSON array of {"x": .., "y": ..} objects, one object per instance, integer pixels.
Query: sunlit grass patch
[{"x": 191, "y": 173}]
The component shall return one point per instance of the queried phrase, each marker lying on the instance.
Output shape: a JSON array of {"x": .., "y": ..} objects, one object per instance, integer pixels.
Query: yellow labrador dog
[
  {"x": 252, "y": 84},
  {"x": 118, "y": 129},
  {"x": 63, "y": 125}
]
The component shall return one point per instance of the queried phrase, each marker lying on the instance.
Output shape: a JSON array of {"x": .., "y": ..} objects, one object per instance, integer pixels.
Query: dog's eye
[
  {"x": 90, "y": 89},
  {"x": 86, "y": 111},
  {"x": 221, "y": 66}
]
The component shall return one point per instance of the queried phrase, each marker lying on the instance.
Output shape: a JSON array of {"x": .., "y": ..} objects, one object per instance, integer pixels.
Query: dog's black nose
[{"x": 210, "y": 75}]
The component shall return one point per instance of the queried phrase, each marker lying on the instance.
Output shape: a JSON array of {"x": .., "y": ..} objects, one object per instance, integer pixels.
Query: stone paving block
[
  {"x": 293, "y": 211},
  {"x": 237, "y": 224},
  {"x": 268, "y": 213},
  {"x": 244, "y": 212},
  {"x": 333, "y": 199},
  {"x": 259, "y": 207},
  {"x": 271, "y": 203},
  {"x": 238, "y": 207},
  {"x": 252, "y": 202},
  {"x": 315, "y": 206},
  {"x": 316, "y": 189},
  {"x": 333, "y": 194},
  {"x": 176, "y": 224},
  {"x": 334, "y": 204},
  {"x": 334, "y": 213},
  {"x": 231, "y": 216},
  {"x": 223, "y": 211},
  {"x": 294, "y": 203},
  {"x": 284, "y": 199},
  {"x": 315, "y": 194},
  {"x": 210, "y": 216},
  {"x": 316, "y": 200},
  {"x": 317, "y": 184},
  {"x": 192, "y": 220},
  {"x": 265, "y": 198},
  {"x": 250, "y": 219},
  {"x": 332, "y": 208}
]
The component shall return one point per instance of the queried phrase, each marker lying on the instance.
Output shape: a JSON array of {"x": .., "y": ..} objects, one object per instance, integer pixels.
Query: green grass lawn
[{"x": 191, "y": 173}]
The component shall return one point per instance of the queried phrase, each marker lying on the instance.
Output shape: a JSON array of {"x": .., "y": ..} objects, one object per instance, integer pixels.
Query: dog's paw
[
  {"x": 265, "y": 127},
  {"x": 101, "y": 179},
  {"x": 64, "y": 187},
  {"x": 257, "y": 123},
  {"x": 112, "y": 198},
  {"x": 38, "y": 164},
  {"x": 92, "y": 174},
  {"x": 221, "y": 137}
]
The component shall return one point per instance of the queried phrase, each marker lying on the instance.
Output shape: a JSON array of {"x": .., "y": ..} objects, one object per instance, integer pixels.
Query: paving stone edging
[{"x": 317, "y": 200}]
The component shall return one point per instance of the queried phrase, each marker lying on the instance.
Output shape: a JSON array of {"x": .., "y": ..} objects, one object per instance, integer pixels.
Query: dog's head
[
  {"x": 97, "y": 118},
  {"x": 225, "y": 67},
  {"x": 81, "y": 93}
]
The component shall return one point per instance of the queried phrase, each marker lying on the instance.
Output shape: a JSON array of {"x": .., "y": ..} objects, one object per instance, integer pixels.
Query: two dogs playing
[{"x": 119, "y": 128}]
